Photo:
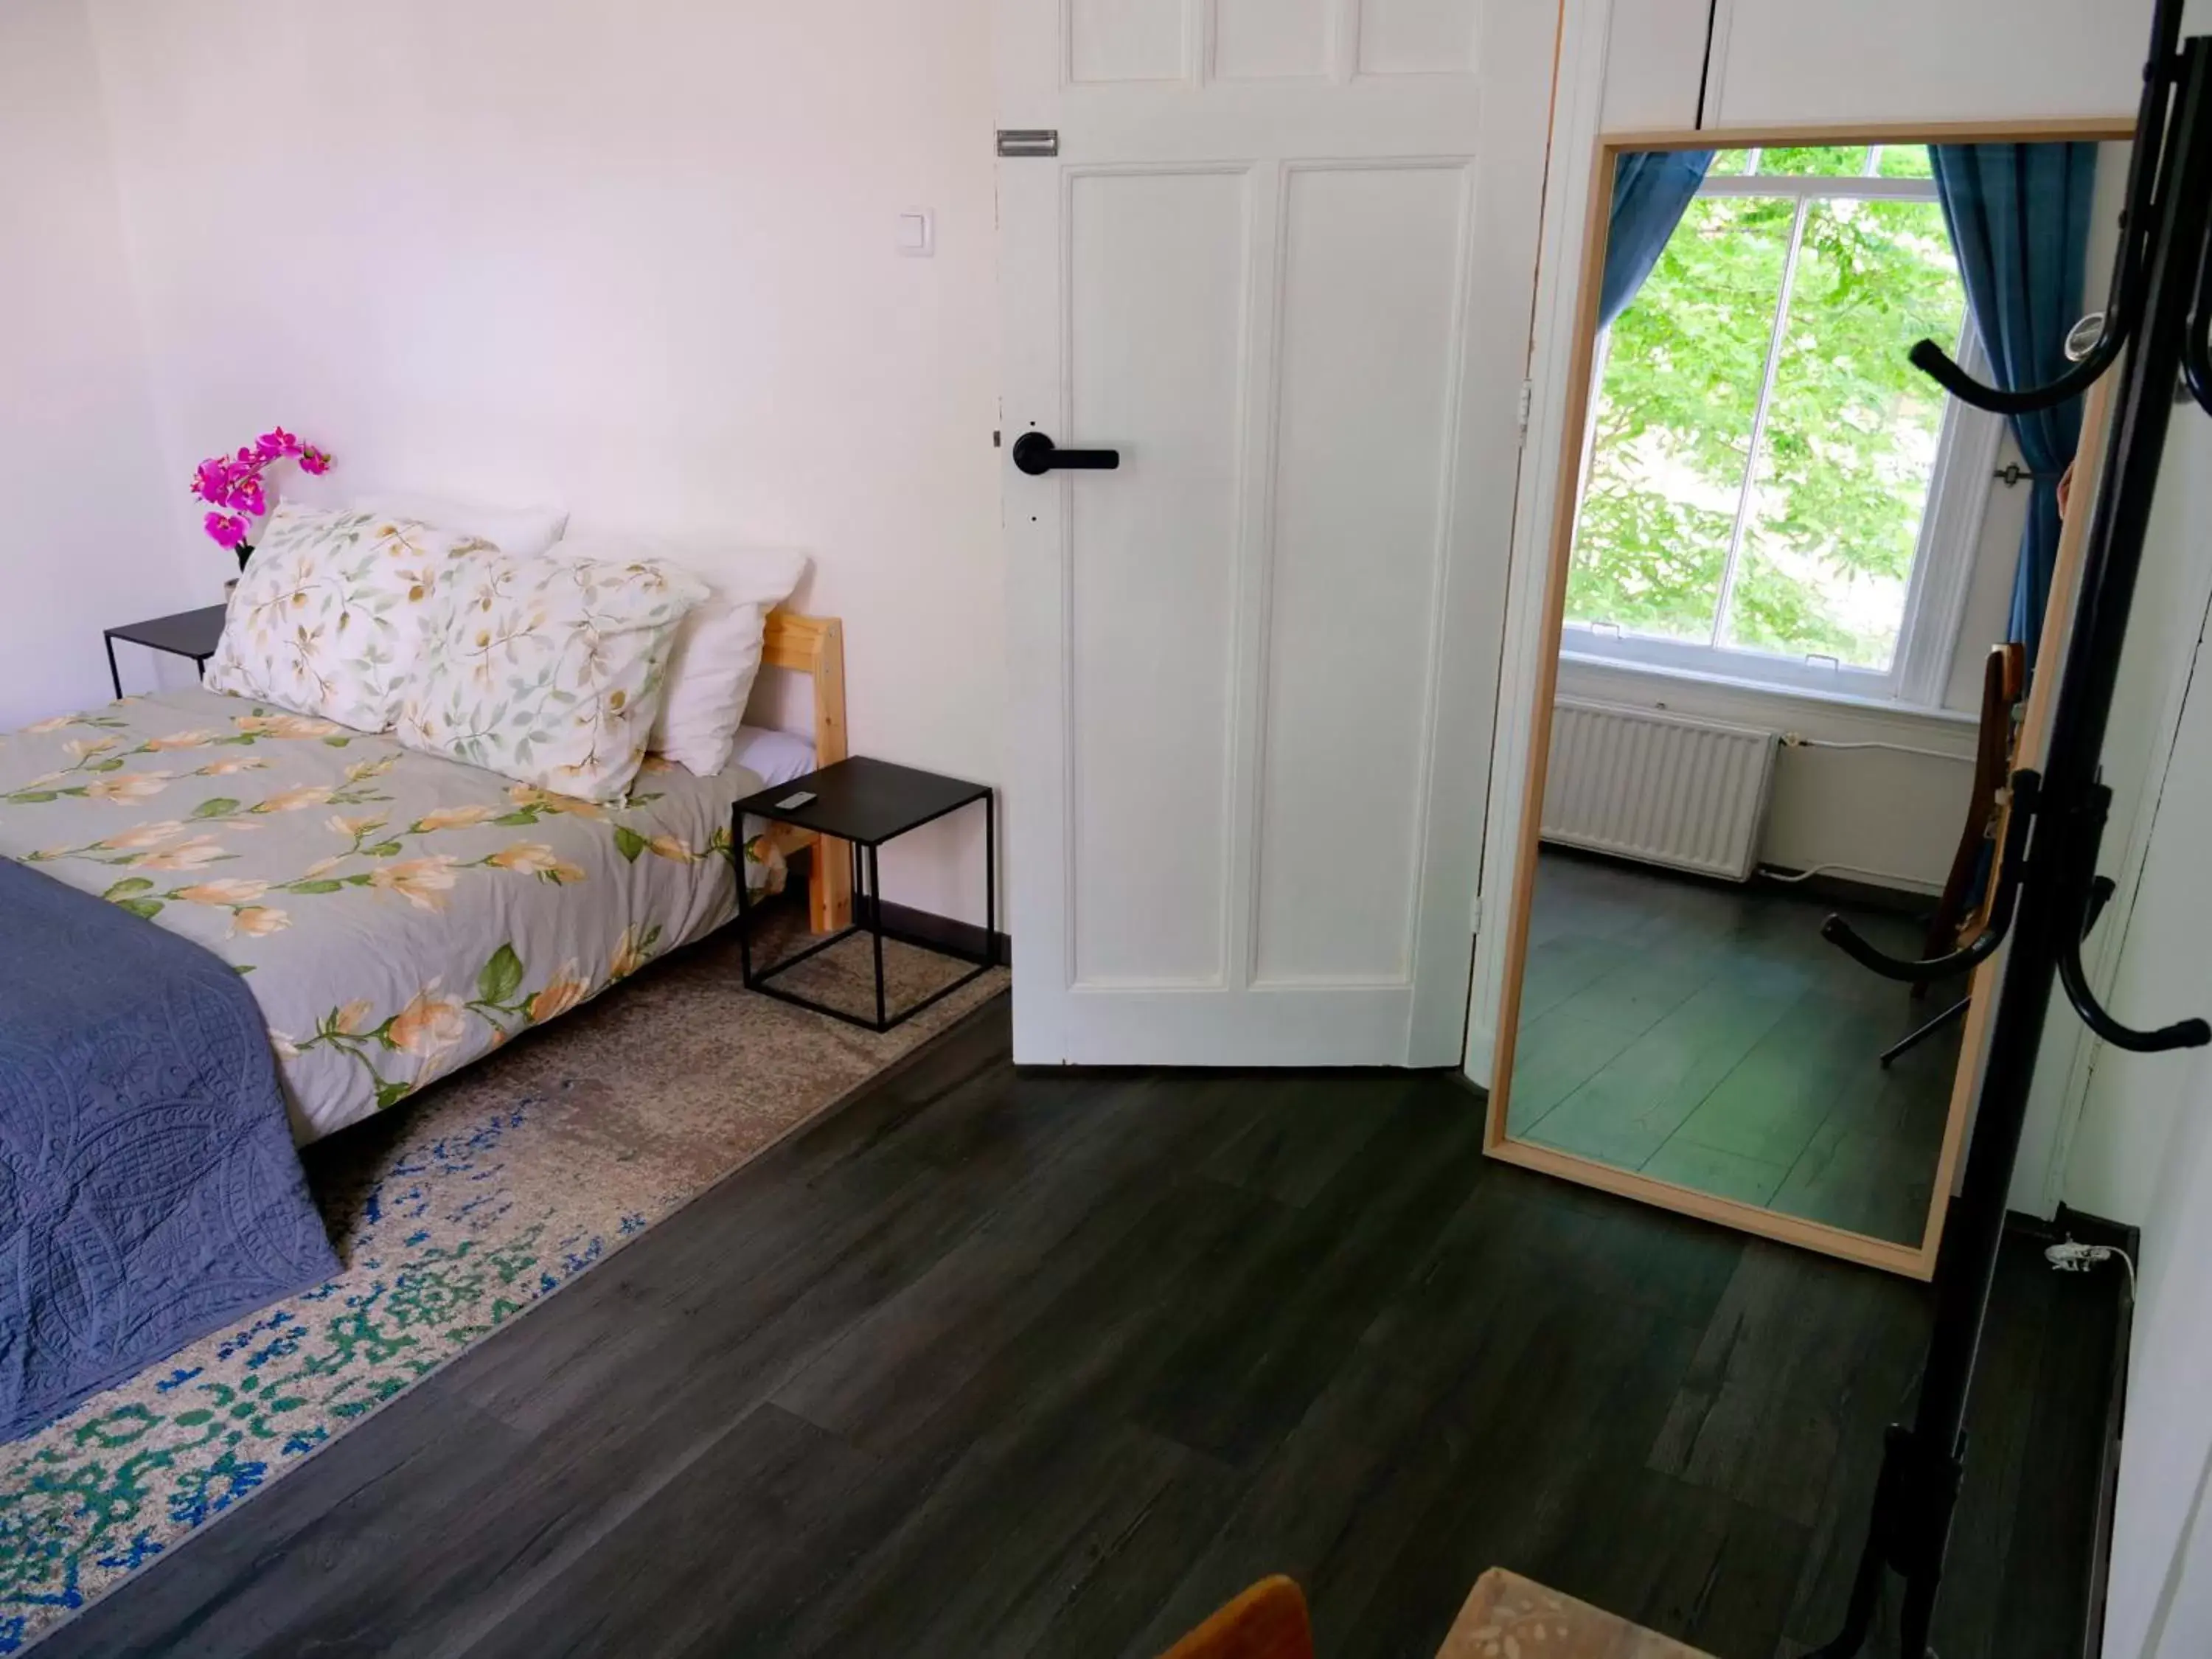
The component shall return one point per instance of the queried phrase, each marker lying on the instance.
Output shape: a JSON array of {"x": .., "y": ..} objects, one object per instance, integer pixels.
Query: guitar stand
[
  {"x": 2160, "y": 312},
  {"x": 1942, "y": 1021},
  {"x": 2100, "y": 891}
]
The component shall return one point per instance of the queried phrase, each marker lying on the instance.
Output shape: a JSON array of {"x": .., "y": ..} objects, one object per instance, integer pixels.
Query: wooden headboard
[{"x": 815, "y": 646}]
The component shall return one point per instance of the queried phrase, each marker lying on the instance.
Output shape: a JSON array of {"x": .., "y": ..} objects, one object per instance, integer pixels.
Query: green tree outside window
[{"x": 1806, "y": 547}]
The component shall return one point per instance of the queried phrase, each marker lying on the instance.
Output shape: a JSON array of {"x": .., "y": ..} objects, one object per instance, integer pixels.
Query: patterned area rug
[{"x": 454, "y": 1214}]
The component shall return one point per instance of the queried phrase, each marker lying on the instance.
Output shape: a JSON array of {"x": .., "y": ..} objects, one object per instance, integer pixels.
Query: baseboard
[
  {"x": 963, "y": 938},
  {"x": 927, "y": 926},
  {"x": 1834, "y": 890}
]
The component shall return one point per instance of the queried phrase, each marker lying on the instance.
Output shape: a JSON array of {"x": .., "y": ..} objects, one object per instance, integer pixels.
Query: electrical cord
[
  {"x": 1890, "y": 877},
  {"x": 1792, "y": 740}
]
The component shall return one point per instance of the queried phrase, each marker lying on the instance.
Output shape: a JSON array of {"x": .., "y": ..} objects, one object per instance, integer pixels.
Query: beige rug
[{"x": 454, "y": 1214}]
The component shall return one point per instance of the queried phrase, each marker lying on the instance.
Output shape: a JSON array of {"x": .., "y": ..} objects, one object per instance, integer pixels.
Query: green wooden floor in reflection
[{"x": 1706, "y": 1034}]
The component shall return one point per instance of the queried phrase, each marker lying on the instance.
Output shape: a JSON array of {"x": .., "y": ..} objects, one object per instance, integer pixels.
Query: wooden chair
[
  {"x": 2004, "y": 686},
  {"x": 1508, "y": 1614},
  {"x": 1268, "y": 1622},
  {"x": 1505, "y": 1614},
  {"x": 2004, "y": 689}
]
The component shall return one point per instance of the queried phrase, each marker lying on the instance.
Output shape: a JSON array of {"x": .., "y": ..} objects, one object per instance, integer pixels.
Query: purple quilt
[{"x": 149, "y": 1192}]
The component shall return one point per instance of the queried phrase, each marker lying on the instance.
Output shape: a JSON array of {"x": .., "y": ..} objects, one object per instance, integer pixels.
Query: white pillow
[
  {"x": 774, "y": 758},
  {"x": 524, "y": 530},
  {"x": 718, "y": 648},
  {"x": 337, "y": 612},
  {"x": 549, "y": 671}
]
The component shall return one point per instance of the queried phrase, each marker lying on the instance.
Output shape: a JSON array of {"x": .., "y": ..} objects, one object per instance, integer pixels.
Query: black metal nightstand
[
  {"x": 865, "y": 803},
  {"x": 193, "y": 634}
]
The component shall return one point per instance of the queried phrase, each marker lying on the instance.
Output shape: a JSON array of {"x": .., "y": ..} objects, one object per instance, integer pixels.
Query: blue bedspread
[{"x": 149, "y": 1192}]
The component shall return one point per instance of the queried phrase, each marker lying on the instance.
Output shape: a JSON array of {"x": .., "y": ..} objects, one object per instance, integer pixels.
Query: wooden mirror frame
[{"x": 1915, "y": 1261}]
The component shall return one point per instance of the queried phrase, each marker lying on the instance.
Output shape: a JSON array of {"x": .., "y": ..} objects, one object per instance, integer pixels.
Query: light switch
[{"x": 917, "y": 233}]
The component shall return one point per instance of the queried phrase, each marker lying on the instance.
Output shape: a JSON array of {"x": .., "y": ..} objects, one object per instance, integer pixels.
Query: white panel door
[{"x": 1284, "y": 264}]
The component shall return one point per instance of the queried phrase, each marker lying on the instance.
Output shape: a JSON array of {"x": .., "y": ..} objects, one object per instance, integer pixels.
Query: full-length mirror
[{"x": 1796, "y": 595}]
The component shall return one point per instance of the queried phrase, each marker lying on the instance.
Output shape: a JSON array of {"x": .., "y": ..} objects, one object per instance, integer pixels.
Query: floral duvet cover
[{"x": 397, "y": 914}]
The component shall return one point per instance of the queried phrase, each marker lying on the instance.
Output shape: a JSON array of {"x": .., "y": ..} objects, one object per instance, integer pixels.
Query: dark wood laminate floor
[
  {"x": 1708, "y": 1035},
  {"x": 998, "y": 1363}
]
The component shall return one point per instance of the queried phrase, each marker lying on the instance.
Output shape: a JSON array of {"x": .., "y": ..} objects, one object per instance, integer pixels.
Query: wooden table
[{"x": 1507, "y": 1615}]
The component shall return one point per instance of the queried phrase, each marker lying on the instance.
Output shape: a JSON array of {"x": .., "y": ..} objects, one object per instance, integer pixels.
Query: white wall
[
  {"x": 2098, "y": 1118},
  {"x": 2143, "y": 1150},
  {"x": 639, "y": 259},
  {"x": 85, "y": 542},
  {"x": 1874, "y": 60},
  {"x": 2159, "y": 1597},
  {"x": 2161, "y": 975},
  {"x": 1907, "y": 60}
]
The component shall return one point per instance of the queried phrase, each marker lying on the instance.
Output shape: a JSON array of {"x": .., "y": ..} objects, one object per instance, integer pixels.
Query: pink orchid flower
[{"x": 233, "y": 484}]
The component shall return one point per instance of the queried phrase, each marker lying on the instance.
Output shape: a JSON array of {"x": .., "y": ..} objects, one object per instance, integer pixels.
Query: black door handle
[{"x": 1036, "y": 455}]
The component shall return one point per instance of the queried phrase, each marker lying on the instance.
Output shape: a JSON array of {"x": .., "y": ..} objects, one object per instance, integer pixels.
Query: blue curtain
[
  {"x": 1651, "y": 189},
  {"x": 2018, "y": 218}
]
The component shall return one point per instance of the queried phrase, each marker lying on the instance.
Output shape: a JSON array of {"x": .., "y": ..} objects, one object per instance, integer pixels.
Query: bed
[
  {"x": 229, "y": 929},
  {"x": 395, "y": 914}
]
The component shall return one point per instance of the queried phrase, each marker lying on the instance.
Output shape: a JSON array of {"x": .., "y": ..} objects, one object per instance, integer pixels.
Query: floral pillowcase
[
  {"x": 334, "y": 614},
  {"x": 549, "y": 671}
]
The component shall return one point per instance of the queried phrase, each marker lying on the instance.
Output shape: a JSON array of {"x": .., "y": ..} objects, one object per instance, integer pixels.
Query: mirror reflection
[{"x": 1801, "y": 597}]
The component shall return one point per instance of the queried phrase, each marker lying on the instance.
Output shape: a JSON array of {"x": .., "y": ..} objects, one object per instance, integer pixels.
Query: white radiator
[{"x": 1660, "y": 787}]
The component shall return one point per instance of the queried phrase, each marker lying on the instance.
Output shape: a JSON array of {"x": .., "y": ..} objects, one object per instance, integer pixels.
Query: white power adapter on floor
[{"x": 2073, "y": 1258}]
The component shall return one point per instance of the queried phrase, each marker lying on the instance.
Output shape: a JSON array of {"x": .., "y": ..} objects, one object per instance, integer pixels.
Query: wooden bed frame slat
[{"x": 815, "y": 646}]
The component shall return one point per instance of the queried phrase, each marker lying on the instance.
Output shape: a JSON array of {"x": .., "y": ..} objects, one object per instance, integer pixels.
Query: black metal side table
[
  {"x": 865, "y": 803},
  {"x": 193, "y": 634}
]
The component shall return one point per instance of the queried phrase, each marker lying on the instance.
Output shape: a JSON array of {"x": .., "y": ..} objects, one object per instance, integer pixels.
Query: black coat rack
[{"x": 2048, "y": 893}]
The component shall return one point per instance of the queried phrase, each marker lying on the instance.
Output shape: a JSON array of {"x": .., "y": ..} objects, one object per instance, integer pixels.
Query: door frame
[{"x": 1528, "y": 686}]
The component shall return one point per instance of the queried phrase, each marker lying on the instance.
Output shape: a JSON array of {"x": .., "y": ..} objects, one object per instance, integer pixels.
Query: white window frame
[{"x": 1950, "y": 529}]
